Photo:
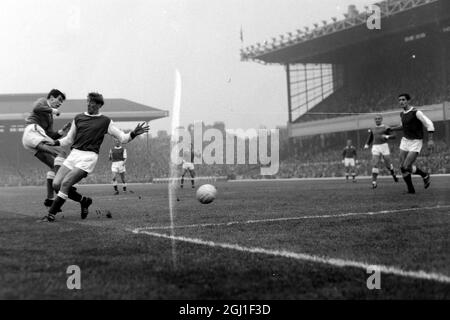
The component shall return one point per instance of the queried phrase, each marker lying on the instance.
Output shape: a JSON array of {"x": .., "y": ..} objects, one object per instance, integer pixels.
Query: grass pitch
[{"x": 258, "y": 240}]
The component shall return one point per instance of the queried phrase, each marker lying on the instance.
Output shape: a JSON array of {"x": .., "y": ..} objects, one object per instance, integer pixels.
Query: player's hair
[
  {"x": 96, "y": 97},
  {"x": 406, "y": 95},
  {"x": 55, "y": 93}
]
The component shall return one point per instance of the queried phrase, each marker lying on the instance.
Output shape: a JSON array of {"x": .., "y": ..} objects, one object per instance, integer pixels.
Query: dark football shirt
[
  {"x": 349, "y": 152},
  {"x": 412, "y": 126},
  {"x": 88, "y": 131},
  {"x": 42, "y": 115},
  {"x": 117, "y": 154}
]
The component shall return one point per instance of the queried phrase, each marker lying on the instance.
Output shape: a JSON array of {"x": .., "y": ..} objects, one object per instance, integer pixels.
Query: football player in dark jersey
[
  {"x": 349, "y": 160},
  {"x": 39, "y": 130},
  {"x": 413, "y": 124},
  {"x": 118, "y": 157}
]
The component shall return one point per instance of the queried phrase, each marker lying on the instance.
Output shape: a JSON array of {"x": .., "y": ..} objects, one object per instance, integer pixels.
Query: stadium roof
[
  {"x": 18, "y": 107},
  {"x": 322, "y": 43}
]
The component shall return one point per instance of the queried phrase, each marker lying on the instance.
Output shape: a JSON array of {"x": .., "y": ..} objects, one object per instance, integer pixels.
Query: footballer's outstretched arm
[
  {"x": 118, "y": 134},
  {"x": 397, "y": 128},
  {"x": 58, "y": 134},
  {"x": 369, "y": 140},
  {"x": 127, "y": 137}
]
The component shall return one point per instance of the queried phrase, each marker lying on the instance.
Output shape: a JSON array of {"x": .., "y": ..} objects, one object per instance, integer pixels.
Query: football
[{"x": 206, "y": 193}]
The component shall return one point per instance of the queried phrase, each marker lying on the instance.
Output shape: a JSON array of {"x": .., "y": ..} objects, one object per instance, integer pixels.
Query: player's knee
[
  {"x": 406, "y": 169},
  {"x": 66, "y": 184},
  {"x": 56, "y": 185}
]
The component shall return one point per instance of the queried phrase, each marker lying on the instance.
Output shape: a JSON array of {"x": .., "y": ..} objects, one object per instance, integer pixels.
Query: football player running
[
  {"x": 413, "y": 123},
  {"x": 378, "y": 138}
]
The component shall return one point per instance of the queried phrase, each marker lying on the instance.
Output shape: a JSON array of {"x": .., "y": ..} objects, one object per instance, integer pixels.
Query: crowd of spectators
[{"x": 150, "y": 159}]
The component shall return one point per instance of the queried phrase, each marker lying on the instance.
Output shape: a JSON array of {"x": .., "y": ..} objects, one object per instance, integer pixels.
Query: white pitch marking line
[
  {"x": 445, "y": 175},
  {"x": 307, "y": 257},
  {"x": 201, "y": 225},
  {"x": 116, "y": 198}
]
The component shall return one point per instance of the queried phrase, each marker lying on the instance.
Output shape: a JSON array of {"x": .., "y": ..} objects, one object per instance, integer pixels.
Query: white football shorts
[
  {"x": 381, "y": 149},
  {"x": 411, "y": 145},
  {"x": 188, "y": 166},
  {"x": 349, "y": 162},
  {"x": 118, "y": 167},
  {"x": 33, "y": 134},
  {"x": 84, "y": 160}
]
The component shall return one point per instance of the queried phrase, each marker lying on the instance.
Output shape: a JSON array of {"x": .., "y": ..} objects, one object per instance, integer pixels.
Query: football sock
[
  {"x": 182, "y": 181},
  {"x": 58, "y": 203},
  {"x": 74, "y": 195},
  {"x": 419, "y": 172},
  {"x": 83, "y": 200},
  {"x": 115, "y": 188},
  {"x": 375, "y": 172},
  {"x": 124, "y": 187},
  {"x": 50, "y": 177},
  {"x": 408, "y": 180}
]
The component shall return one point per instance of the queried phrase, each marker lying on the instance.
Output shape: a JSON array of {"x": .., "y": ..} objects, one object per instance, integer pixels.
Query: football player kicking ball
[
  {"x": 118, "y": 157},
  {"x": 85, "y": 137},
  {"x": 413, "y": 123},
  {"x": 378, "y": 138},
  {"x": 39, "y": 131}
]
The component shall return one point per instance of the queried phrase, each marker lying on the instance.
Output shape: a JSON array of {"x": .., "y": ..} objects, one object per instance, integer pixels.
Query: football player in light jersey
[
  {"x": 413, "y": 124},
  {"x": 349, "y": 160},
  {"x": 378, "y": 138},
  {"x": 85, "y": 137},
  {"x": 118, "y": 157},
  {"x": 39, "y": 129},
  {"x": 188, "y": 166}
]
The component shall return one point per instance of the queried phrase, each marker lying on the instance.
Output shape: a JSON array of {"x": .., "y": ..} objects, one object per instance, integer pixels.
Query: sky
[{"x": 131, "y": 48}]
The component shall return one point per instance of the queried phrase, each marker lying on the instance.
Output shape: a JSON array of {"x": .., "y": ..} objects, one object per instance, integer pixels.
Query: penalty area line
[
  {"x": 421, "y": 275},
  {"x": 326, "y": 216}
]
